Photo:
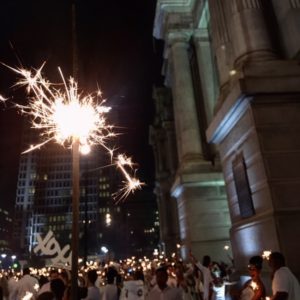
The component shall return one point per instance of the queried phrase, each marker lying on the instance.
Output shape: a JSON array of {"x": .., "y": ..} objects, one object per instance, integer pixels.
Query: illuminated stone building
[{"x": 233, "y": 71}]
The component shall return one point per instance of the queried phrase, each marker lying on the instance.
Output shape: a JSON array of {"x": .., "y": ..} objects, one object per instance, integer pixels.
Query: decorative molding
[
  {"x": 240, "y": 5},
  {"x": 182, "y": 36},
  {"x": 220, "y": 23},
  {"x": 295, "y": 3},
  {"x": 174, "y": 14}
]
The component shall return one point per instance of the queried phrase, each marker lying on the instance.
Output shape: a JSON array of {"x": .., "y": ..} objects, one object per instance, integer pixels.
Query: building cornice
[{"x": 174, "y": 15}]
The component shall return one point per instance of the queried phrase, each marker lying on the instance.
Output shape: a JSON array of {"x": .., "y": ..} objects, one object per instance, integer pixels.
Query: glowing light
[
  {"x": 226, "y": 247},
  {"x": 108, "y": 220},
  {"x": 266, "y": 254},
  {"x": 65, "y": 115},
  {"x": 104, "y": 249},
  {"x": 131, "y": 183},
  {"x": 85, "y": 149},
  {"x": 253, "y": 285},
  {"x": 27, "y": 296},
  {"x": 2, "y": 98}
]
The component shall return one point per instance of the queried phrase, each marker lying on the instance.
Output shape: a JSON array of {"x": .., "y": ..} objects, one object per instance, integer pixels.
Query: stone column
[
  {"x": 187, "y": 128},
  {"x": 163, "y": 142},
  {"x": 206, "y": 70},
  {"x": 249, "y": 33},
  {"x": 288, "y": 16},
  {"x": 221, "y": 42}
]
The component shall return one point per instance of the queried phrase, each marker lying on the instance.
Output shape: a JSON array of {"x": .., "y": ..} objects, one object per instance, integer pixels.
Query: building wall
[
  {"x": 197, "y": 183},
  {"x": 254, "y": 50}
]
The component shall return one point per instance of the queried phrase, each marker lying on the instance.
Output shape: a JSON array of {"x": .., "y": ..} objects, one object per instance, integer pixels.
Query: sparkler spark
[
  {"x": 131, "y": 183},
  {"x": 27, "y": 296},
  {"x": 65, "y": 115},
  {"x": 254, "y": 285},
  {"x": 266, "y": 254}
]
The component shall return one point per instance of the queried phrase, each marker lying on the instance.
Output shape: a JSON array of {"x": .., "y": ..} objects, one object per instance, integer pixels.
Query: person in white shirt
[
  {"x": 46, "y": 286},
  {"x": 27, "y": 284},
  {"x": 161, "y": 291},
  {"x": 93, "y": 292},
  {"x": 285, "y": 285},
  {"x": 206, "y": 274},
  {"x": 110, "y": 291}
]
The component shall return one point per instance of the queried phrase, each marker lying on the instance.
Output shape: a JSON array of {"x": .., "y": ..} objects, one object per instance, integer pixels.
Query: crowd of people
[{"x": 157, "y": 279}]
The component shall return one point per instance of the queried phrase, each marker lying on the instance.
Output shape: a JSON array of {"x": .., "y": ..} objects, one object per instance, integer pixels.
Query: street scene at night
[{"x": 149, "y": 150}]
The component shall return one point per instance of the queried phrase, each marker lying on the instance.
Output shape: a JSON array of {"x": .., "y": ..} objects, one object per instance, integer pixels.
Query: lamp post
[{"x": 75, "y": 216}]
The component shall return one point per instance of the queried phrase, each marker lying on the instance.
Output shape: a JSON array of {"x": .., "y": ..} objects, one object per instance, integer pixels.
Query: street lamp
[{"x": 104, "y": 249}]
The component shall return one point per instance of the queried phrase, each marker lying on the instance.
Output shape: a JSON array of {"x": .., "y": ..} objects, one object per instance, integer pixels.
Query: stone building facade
[
  {"x": 247, "y": 81},
  {"x": 190, "y": 186}
]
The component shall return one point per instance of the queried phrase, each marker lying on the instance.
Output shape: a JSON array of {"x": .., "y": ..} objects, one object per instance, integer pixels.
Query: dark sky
[{"x": 116, "y": 51}]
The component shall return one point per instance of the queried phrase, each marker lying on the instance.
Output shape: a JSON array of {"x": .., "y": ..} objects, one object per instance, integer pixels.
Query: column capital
[
  {"x": 172, "y": 13},
  {"x": 200, "y": 35},
  {"x": 180, "y": 36}
]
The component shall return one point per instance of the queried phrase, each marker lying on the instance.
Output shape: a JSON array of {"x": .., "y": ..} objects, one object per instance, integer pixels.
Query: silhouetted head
[
  {"x": 276, "y": 260},
  {"x": 92, "y": 276},
  {"x": 206, "y": 261},
  {"x": 26, "y": 271},
  {"x": 161, "y": 277},
  {"x": 255, "y": 266},
  {"x": 111, "y": 274},
  {"x": 256, "y": 261},
  {"x": 57, "y": 286}
]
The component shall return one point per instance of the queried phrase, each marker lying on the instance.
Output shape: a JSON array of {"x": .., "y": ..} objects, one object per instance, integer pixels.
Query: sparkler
[
  {"x": 65, "y": 115},
  {"x": 27, "y": 296},
  {"x": 266, "y": 254},
  {"x": 253, "y": 285}
]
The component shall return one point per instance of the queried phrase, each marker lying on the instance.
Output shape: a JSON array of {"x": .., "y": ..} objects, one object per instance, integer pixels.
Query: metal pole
[{"x": 75, "y": 218}]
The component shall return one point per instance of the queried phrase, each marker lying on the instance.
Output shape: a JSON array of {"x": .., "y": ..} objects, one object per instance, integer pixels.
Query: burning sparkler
[
  {"x": 131, "y": 183},
  {"x": 75, "y": 121},
  {"x": 253, "y": 285},
  {"x": 65, "y": 116},
  {"x": 28, "y": 296},
  {"x": 266, "y": 254}
]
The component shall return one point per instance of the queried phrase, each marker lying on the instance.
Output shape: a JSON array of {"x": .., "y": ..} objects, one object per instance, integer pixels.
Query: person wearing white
[
  {"x": 133, "y": 290},
  {"x": 27, "y": 284},
  {"x": 12, "y": 287},
  {"x": 285, "y": 285},
  {"x": 93, "y": 292},
  {"x": 162, "y": 291},
  {"x": 206, "y": 275},
  {"x": 110, "y": 290},
  {"x": 46, "y": 286}
]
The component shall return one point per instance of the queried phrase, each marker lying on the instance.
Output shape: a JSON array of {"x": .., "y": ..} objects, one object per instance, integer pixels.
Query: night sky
[{"x": 116, "y": 51}]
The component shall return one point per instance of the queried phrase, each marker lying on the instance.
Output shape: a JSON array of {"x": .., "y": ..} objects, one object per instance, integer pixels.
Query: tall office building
[
  {"x": 44, "y": 202},
  {"x": 5, "y": 224}
]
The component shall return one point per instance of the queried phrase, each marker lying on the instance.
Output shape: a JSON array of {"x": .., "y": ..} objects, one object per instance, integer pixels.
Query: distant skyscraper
[
  {"x": 5, "y": 224},
  {"x": 44, "y": 202}
]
